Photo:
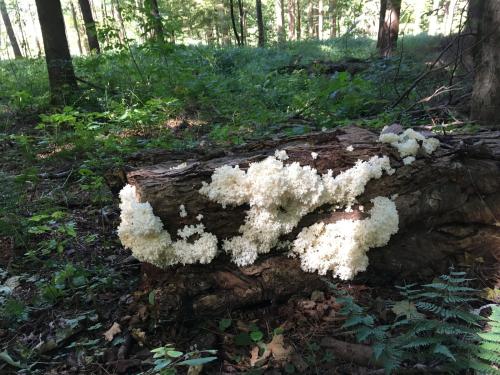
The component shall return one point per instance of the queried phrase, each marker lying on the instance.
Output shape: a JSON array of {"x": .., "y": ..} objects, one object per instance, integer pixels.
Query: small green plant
[
  {"x": 167, "y": 359},
  {"x": 54, "y": 228}
]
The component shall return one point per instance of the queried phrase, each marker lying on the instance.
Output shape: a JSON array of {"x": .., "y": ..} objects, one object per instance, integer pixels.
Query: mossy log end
[{"x": 448, "y": 206}]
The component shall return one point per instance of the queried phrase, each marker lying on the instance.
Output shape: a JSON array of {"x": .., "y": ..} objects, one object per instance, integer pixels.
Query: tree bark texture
[
  {"x": 388, "y": 26},
  {"x": 485, "y": 105},
  {"x": 233, "y": 22},
  {"x": 155, "y": 17},
  {"x": 279, "y": 20},
  {"x": 242, "y": 23},
  {"x": 260, "y": 23},
  {"x": 291, "y": 20},
  {"x": 333, "y": 15},
  {"x": 62, "y": 78},
  {"x": 77, "y": 28},
  {"x": 90, "y": 28},
  {"x": 10, "y": 30},
  {"x": 448, "y": 207}
]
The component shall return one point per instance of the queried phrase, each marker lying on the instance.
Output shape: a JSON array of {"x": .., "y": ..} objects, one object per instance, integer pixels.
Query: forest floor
[{"x": 71, "y": 296}]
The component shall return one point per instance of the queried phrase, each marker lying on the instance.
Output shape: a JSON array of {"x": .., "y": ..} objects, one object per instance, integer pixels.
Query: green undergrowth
[{"x": 435, "y": 327}]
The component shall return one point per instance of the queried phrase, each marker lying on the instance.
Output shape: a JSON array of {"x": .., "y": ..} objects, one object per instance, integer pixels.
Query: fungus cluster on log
[{"x": 327, "y": 210}]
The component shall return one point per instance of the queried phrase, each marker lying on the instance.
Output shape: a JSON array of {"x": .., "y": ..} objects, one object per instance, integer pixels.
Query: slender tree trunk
[
  {"x": 279, "y": 20},
  {"x": 90, "y": 28},
  {"x": 10, "y": 30},
  {"x": 450, "y": 12},
  {"x": 62, "y": 78},
  {"x": 418, "y": 11},
  {"x": 154, "y": 16},
  {"x": 333, "y": 15},
  {"x": 320, "y": 19},
  {"x": 433, "y": 18},
  {"x": 486, "y": 90},
  {"x": 242, "y": 23},
  {"x": 233, "y": 22},
  {"x": 22, "y": 24},
  {"x": 123, "y": 33},
  {"x": 75, "y": 25},
  {"x": 389, "y": 27},
  {"x": 299, "y": 20},
  {"x": 291, "y": 20},
  {"x": 260, "y": 23},
  {"x": 310, "y": 19}
]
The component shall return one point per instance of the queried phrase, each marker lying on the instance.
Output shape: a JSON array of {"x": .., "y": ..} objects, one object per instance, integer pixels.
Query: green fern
[
  {"x": 488, "y": 351},
  {"x": 444, "y": 333}
]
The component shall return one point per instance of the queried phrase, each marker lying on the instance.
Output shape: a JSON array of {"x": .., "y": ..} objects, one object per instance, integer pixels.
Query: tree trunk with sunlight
[
  {"x": 77, "y": 28},
  {"x": 279, "y": 20},
  {"x": 62, "y": 79},
  {"x": 485, "y": 106},
  {"x": 333, "y": 18},
  {"x": 90, "y": 27},
  {"x": 260, "y": 23},
  {"x": 443, "y": 213},
  {"x": 388, "y": 26},
  {"x": 233, "y": 22},
  {"x": 153, "y": 13},
  {"x": 10, "y": 30},
  {"x": 291, "y": 20}
]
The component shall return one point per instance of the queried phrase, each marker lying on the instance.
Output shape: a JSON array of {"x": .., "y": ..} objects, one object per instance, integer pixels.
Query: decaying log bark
[{"x": 448, "y": 206}]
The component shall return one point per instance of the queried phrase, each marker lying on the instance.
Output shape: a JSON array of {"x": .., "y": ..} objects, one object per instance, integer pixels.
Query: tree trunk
[
  {"x": 155, "y": 17},
  {"x": 90, "y": 28},
  {"x": 417, "y": 14},
  {"x": 291, "y": 20},
  {"x": 123, "y": 32},
  {"x": 62, "y": 80},
  {"x": 278, "y": 15},
  {"x": 448, "y": 206},
  {"x": 388, "y": 26},
  {"x": 320, "y": 19},
  {"x": 450, "y": 12},
  {"x": 333, "y": 13},
  {"x": 260, "y": 23},
  {"x": 433, "y": 18},
  {"x": 242, "y": 23},
  {"x": 486, "y": 90},
  {"x": 75, "y": 25},
  {"x": 10, "y": 30},
  {"x": 310, "y": 19},
  {"x": 22, "y": 24},
  {"x": 299, "y": 20},
  {"x": 233, "y": 22}
]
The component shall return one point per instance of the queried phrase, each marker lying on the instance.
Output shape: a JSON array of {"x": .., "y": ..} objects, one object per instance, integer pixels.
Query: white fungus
[
  {"x": 142, "y": 232},
  {"x": 280, "y": 195},
  {"x": 409, "y": 143},
  {"x": 182, "y": 211},
  {"x": 280, "y": 155},
  {"x": 350, "y": 148},
  {"x": 341, "y": 246},
  {"x": 314, "y": 155}
]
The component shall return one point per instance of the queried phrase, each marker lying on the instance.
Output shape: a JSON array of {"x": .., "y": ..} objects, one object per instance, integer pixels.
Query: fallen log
[{"x": 448, "y": 206}]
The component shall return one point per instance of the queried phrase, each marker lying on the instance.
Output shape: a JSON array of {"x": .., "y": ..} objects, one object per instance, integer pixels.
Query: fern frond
[
  {"x": 490, "y": 336},
  {"x": 450, "y": 288},
  {"x": 444, "y": 350}
]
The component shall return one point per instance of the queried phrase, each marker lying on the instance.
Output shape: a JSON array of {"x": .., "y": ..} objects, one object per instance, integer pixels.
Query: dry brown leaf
[
  {"x": 278, "y": 349},
  {"x": 255, "y": 360},
  {"x": 112, "y": 332}
]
